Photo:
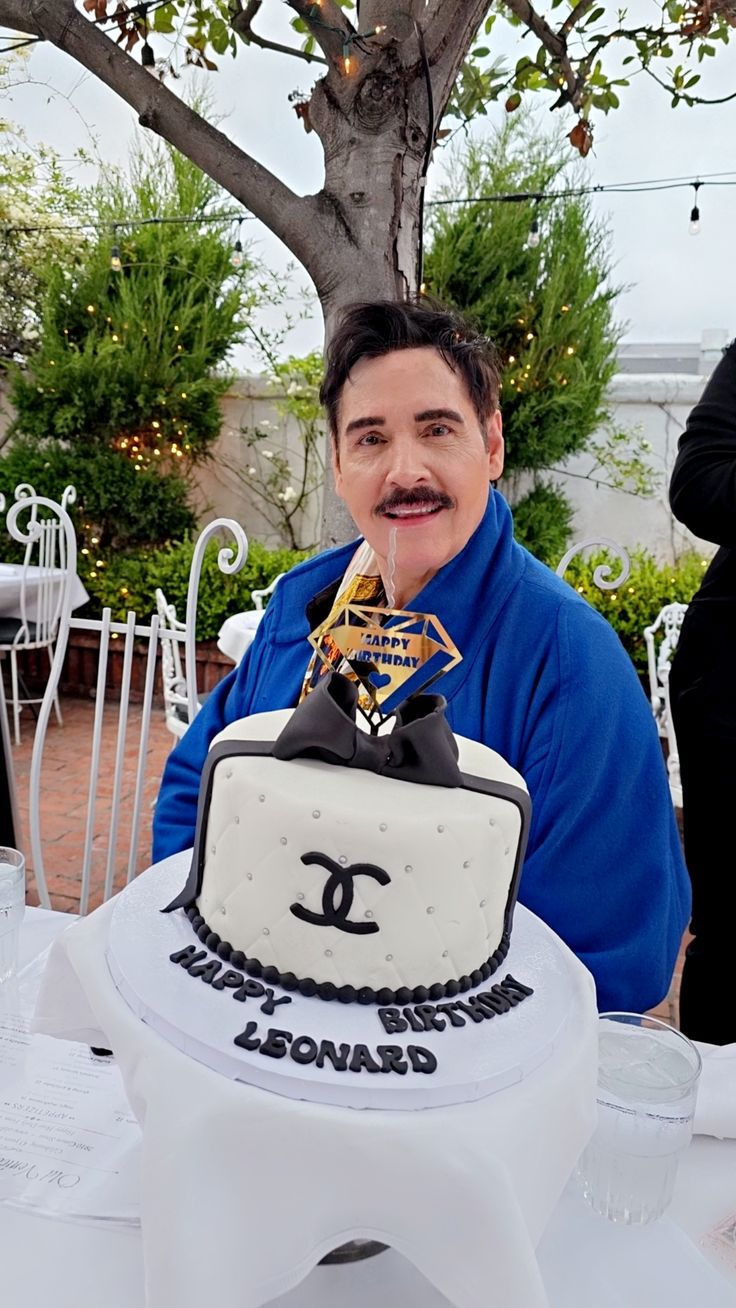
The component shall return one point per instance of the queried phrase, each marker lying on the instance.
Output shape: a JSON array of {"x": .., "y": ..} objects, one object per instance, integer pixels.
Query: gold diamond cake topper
[{"x": 393, "y": 653}]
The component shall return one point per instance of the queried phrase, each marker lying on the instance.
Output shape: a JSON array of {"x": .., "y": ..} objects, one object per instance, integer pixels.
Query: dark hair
[{"x": 370, "y": 329}]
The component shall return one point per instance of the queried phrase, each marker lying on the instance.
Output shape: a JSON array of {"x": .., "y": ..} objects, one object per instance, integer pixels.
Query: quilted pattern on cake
[{"x": 449, "y": 854}]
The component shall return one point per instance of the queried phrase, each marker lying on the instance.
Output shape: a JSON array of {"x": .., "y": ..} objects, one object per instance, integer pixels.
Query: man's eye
[
  {"x": 439, "y": 429},
  {"x": 370, "y": 438}
]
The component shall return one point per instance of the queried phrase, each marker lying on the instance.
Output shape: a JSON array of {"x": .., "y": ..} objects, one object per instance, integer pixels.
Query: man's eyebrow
[
  {"x": 431, "y": 415},
  {"x": 358, "y": 423}
]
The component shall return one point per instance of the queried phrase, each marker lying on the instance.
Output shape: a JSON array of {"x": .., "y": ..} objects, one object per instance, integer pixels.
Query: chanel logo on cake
[{"x": 337, "y": 896}]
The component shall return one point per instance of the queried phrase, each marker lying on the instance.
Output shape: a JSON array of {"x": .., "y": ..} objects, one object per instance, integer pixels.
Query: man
[{"x": 411, "y": 395}]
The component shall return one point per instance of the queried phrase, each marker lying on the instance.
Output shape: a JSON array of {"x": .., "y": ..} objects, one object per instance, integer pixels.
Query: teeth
[{"x": 413, "y": 513}]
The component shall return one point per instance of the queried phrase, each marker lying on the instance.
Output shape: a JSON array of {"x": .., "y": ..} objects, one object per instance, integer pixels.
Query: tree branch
[
  {"x": 242, "y": 24},
  {"x": 574, "y": 16},
  {"x": 291, "y": 217},
  {"x": 552, "y": 41},
  {"x": 15, "y": 15},
  {"x": 328, "y": 25},
  {"x": 448, "y": 28}
]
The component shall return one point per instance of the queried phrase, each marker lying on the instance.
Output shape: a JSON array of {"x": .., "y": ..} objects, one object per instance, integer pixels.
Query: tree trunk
[{"x": 374, "y": 176}]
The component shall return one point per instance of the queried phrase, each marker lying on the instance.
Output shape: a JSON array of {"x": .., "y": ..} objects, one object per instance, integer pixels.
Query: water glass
[
  {"x": 647, "y": 1085},
  {"x": 12, "y": 908}
]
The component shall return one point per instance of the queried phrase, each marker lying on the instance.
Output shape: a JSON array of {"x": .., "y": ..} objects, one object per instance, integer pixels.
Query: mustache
[{"x": 408, "y": 499}]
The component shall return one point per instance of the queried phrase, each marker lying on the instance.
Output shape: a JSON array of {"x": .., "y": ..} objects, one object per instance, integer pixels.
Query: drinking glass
[
  {"x": 647, "y": 1085},
  {"x": 12, "y": 908}
]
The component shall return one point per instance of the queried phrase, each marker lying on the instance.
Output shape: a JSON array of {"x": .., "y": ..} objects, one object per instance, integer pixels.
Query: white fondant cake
[{"x": 337, "y": 876}]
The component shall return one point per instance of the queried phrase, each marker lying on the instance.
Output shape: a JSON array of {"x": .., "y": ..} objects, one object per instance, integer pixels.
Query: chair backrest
[
  {"x": 172, "y": 633},
  {"x": 111, "y": 846},
  {"x": 258, "y": 596},
  {"x": 602, "y": 574},
  {"x": 661, "y": 639},
  {"x": 45, "y": 576}
]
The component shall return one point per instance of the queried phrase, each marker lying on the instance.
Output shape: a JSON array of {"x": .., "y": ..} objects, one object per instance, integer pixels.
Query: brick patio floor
[
  {"x": 64, "y": 789},
  {"x": 64, "y": 784}
]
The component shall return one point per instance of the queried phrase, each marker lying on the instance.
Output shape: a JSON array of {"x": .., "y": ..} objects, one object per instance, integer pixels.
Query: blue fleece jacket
[{"x": 545, "y": 681}]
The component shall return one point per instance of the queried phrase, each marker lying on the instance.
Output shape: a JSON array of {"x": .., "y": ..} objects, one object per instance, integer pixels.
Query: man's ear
[{"x": 494, "y": 440}]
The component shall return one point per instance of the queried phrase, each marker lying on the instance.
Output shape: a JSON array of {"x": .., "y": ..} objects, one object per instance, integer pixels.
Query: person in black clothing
[{"x": 703, "y": 701}]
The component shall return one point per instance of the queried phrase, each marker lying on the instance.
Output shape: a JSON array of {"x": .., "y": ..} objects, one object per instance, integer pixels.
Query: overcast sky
[{"x": 680, "y": 285}]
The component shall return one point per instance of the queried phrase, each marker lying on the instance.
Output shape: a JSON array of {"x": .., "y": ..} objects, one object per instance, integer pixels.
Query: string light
[
  {"x": 695, "y": 212},
  {"x": 236, "y": 258},
  {"x": 115, "y": 260}
]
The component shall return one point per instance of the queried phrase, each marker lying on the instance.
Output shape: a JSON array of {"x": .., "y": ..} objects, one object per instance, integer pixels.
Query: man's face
[{"x": 413, "y": 462}]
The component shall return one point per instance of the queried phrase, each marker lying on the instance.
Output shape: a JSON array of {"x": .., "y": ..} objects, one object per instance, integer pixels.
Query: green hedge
[
  {"x": 129, "y": 581},
  {"x": 635, "y": 605}
]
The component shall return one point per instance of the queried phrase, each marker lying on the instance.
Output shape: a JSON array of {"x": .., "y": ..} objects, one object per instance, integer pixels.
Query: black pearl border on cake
[{"x": 344, "y": 994}]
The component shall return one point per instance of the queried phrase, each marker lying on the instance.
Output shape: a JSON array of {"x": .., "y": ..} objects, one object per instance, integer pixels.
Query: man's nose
[{"x": 406, "y": 464}]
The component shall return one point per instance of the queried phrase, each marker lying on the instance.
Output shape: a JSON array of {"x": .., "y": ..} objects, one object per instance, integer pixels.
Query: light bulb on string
[
  {"x": 236, "y": 258},
  {"x": 695, "y": 212},
  {"x": 115, "y": 260},
  {"x": 533, "y": 238}
]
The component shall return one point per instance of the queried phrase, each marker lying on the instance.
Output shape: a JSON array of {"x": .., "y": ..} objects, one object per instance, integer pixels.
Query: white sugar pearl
[
  {"x": 445, "y": 952},
  {"x": 228, "y": 774},
  {"x": 315, "y": 812},
  {"x": 483, "y": 903},
  {"x": 328, "y": 953},
  {"x": 266, "y": 931},
  {"x": 491, "y": 822},
  {"x": 342, "y": 859},
  {"x": 389, "y": 958},
  {"x": 382, "y": 826},
  {"x": 430, "y": 909},
  {"x": 261, "y": 799},
  {"x": 249, "y": 875},
  {"x": 283, "y": 840},
  {"x": 408, "y": 868},
  {"x": 440, "y": 827},
  {"x": 237, "y": 820},
  {"x": 368, "y": 912},
  {"x": 300, "y": 894}
]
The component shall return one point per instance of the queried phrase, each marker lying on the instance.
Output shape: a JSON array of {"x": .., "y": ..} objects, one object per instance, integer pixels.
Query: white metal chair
[
  {"x": 661, "y": 642},
  {"x": 602, "y": 574},
  {"x": 182, "y": 700},
  {"x": 108, "y": 854},
  {"x": 45, "y": 579},
  {"x": 258, "y": 596},
  {"x": 172, "y": 633}
]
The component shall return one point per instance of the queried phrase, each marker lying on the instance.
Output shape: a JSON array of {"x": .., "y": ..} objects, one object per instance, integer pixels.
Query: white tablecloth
[
  {"x": 464, "y": 1192},
  {"x": 237, "y": 632},
  {"x": 11, "y": 577},
  {"x": 584, "y": 1260}
]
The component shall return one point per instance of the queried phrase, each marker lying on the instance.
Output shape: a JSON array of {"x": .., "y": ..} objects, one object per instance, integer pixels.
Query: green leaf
[
  {"x": 480, "y": 52},
  {"x": 489, "y": 23}
]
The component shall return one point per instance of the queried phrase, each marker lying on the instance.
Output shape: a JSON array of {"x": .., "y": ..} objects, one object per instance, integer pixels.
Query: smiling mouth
[{"x": 411, "y": 511}]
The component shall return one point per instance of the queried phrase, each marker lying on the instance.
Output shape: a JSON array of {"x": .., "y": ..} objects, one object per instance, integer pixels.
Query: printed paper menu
[{"x": 69, "y": 1143}]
